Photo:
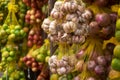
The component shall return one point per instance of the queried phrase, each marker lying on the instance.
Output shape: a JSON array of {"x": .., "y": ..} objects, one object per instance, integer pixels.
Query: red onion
[
  {"x": 32, "y": 59},
  {"x": 36, "y": 37},
  {"x": 99, "y": 70},
  {"x": 101, "y": 3},
  {"x": 29, "y": 57},
  {"x": 30, "y": 37},
  {"x": 27, "y": 16},
  {"x": 80, "y": 54},
  {"x": 101, "y": 60},
  {"x": 94, "y": 27},
  {"x": 34, "y": 64},
  {"x": 28, "y": 63},
  {"x": 32, "y": 21},
  {"x": 37, "y": 15},
  {"x": 33, "y": 5},
  {"x": 34, "y": 41},
  {"x": 113, "y": 17},
  {"x": 29, "y": 43},
  {"x": 103, "y": 19},
  {"x": 24, "y": 59}
]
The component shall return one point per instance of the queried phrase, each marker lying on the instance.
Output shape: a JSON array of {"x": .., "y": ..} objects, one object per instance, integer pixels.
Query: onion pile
[
  {"x": 35, "y": 3},
  {"x": 103, "y": 26},
  {"x": 35, "y": 14},
  {"x": 102, "y": 3},
  {"x": 32, "y": 63},
  {"x": 98, "y": 64},
  {"x": 34, "y": 37}
]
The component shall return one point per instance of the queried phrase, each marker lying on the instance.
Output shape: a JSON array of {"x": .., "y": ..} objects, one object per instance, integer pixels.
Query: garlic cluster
[
  {"x": 68, "y": 22},
  {"x": 62, "y": 66}
]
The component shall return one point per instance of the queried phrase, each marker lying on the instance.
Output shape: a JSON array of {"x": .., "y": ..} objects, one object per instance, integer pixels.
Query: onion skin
[
  {"x": 25, "y": 59},
  {"x": 29, "y": 43},
  {"x": 113, "y": 2},
  {"x": 103, "y": 19},
  {"x": 28, "y": 63},
  {"x": 101, "y": 3},
  {"x": 113, "y": 17},
  {"x": 80, "y": 54},
  {"x": 94, "y": 27},
  {"x": 88, "y": 1},
  {"x": 36, "y": 37},
  {"x": 101, "y": 60},
  {"x": 30, "y": 37},
  {"x": 27, "y": 16},
  {"x": 99, "y": 70}
]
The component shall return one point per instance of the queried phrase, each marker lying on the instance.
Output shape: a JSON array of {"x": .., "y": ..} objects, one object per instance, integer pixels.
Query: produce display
[
  {"x": 35, "y": 14},
  {"x": 60, "y": 39},
  {"x": 115, "y": 61},
  {"x": 12, "y": 73},
  {"x": 3, "y": 10}
]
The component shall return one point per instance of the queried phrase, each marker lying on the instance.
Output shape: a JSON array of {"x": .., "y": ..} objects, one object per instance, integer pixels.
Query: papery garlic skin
[
  {"x": 52, "y": 27},
  {"x": 87, "y": 14},
  {"x": 69, "y": 7},
  {"x": 62, "y": 66},
  {"x": 69, "y": 27},
  {"x": 58, "y": 5},
  {"x": 69, "y": 22},
  {"x": 45, "y": 25}
]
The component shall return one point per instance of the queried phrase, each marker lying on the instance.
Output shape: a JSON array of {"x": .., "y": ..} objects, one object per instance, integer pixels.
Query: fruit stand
[{"x": 60, "y": 39}]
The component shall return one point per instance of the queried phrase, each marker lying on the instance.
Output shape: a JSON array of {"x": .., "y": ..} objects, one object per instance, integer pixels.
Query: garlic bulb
[
  {"x": 45, "y": 25},
  {"x": 69, "y": 27},
  {"x": 53, "y": 70},
  {"x": 69, "y": 23},
  {"x": 55, "y": 14},
  {"x": 72, "y": 17},
  {"x": 61, "y": 70},
  {"x": 69, "y": 7},
  {"x": 81, "y": 9},
  {"x": 78, "y": 32},
  {"x": 58, "y": 5},
  {"x": 61, "y": 66},
  {"x": 87, "y": 14},
  {"x": 52, "y": 27}
]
